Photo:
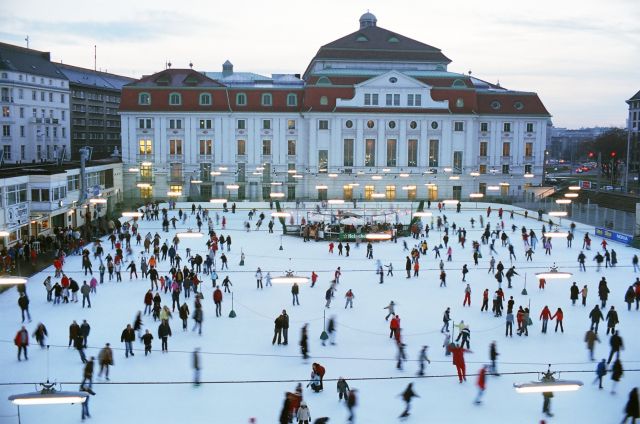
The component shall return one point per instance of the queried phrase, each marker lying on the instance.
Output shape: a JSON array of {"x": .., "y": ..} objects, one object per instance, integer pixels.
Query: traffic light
[
  {"x": 591, "y": 154},
  {"x": 613, "y": 154}
]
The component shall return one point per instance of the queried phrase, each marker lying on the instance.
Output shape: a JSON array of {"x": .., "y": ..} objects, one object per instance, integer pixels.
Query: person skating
[
  {"x": 295, "y": 291},
  {"x": 285, "y": 327},
  {"x": 304, "y": 342},
  {"x": 616, "y": 374},
  {"x": 545, "y": 315},
  {"x": 128, "y": 336},
  {"x": 21, "y": 340},
  {"x": 303, "y": 415},
  {"x": 74, "y": 330},
  {"x": 394, "y": 326},
  {"x": 217, "y": 300},
  {"x": 320, "y": 371},
  {"x": 195, "y": 362},
  {"x": 391, "y": 307},
  {"x": 574, "y": 291},
  {"x": 343, "y": 389},
  {"x": 616, "y": 344},
  {"x": 277, "y": 331},
  {"x": 407, "y": 395},
  {"x": 105, "y": 358},
  {"x": 349, "y": 296},
  {"x": 422, "y": 357},
  {"x": 596, "y": 316},
  {"x": 164, "y": 332},
  {"x": 85, "y": 329},
  {"x": 85, "y": 404},
  {"x": 601, "y": 371},
  {"x": 458, "y": 360},
  {"x": 612, "y": 320},
  {"x": 632, "y": 408},
  {"x": 493, "y": 356},
  {"x": 183, "y": 312},
  {"x": 481, "y": 383},
  {"x": 328, "y": 295},
  {"x": 465, "y": 335},
  {"x": 23, "y": 303},
  {"x": 87, "y": 374},
  {"x": 147, "y": 339},
  {"x": 446, "y": 317},
  {"x": 467, "y": 296},
  {"x": 591, "y": 338},
  {"x": 40, "y": 334}
]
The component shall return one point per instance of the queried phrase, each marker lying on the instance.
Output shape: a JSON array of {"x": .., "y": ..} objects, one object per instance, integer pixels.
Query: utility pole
[
  {"x": 27, "y": 40},
  {"x": 626, "y": 168},
  {"x": 600, "y": 170}
]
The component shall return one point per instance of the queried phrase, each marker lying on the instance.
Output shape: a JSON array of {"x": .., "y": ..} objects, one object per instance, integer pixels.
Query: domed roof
[{"x": 367, "y": 20}]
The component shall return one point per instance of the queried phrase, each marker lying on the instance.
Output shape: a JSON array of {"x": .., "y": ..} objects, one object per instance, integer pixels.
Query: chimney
[{"x": 227, "y": 69}]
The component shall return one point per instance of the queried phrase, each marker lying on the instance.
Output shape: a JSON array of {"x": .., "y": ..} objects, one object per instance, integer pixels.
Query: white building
[
  {"x": 34, "y": 199},
  {"x": 375, "y": 114},
  {"x": 34, "y": 97}
]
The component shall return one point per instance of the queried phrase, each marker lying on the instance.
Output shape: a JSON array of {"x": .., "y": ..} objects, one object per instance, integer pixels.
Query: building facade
[
  {"x": 34, "y": 97},
  {"x": 375, "y": 115},
  {"x": 34, "y": 199},
  {"x": 94, "y": 102},
  {"x": 633, "y": 125}
]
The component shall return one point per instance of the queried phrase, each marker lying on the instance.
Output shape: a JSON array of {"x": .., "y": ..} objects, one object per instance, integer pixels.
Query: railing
[
  {"x": 7, "y": 99},
  {"x": 505, "y": 159},
  {"x": 205, "y": 157},
  {"x": 176, "y": 158},
  {"x": 483, "y": 159},
  {"x": 529, "y": 158}
]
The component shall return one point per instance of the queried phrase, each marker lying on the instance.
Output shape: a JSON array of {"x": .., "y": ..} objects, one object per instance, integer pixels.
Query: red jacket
[
  {"x": 545, "y": 314},
  {"x": 319, "y": 369},
  {"x": 485, "y": 294},
  {"x": 458, "y": 354},
  {"x": 395, "y": 323},
  {"x": 314, "y": 277},
  {"x": 559, "y": 315},
  {"x": 217, "y": 296},
  {"x": 65, "y": 281},
  {"x": 22, "y": 338},
  {"x": 482, "y": 375}
]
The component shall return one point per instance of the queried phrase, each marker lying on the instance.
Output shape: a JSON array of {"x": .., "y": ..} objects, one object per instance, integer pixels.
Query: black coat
[
  {"x": 164, "y": 330},
  {"x": 128, "y": 335}
]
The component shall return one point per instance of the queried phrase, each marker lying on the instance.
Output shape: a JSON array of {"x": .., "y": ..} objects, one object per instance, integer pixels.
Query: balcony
[
  {"x": 175, "y": 178},
  {"x": 241, "y": 158},
  {"x": 505, "y": 159},
  {"x": 205, "y": 158},
  {"x": 144, "y": 157},
  {"x": 528, "y": 158},
  {"x": 6, "y": 99},
  {"x": 176, "y": 158},
  {"x": 483, "y": 159},
  {"x": 145, "y": 179}
]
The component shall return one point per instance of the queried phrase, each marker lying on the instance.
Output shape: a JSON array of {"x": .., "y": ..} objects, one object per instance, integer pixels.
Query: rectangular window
[
  {"x": 323, "y": 124},
  {"x": 33, "y": 95},
  {"x": 63, "y": 115},
  {"x": 457, "y": 162},
  {"x": 23, "y": 152},
  {"x": 7, "y": 152},
  {"x": 369, "y": 152},
  {"x": 392, "y": 147},
  {"x": 484, "y": 148},
  {"x": 458, "y": 126},
  {"x": 175, "y": 124},
  {"x": 323, "y": 160},
  {"x": 175, "y": 147},
  {"x": 55, "y": 131},
  {"x": 348, "y": 152},
  {"x": 409, "y": 99},
  {"x": 241, "y": 124},
  {"x": 206, "y": 124},
  {"x": 374, "y": 100},
  {"x": 529, "y": 127},
  {"x": 206, "y": 147},
  {"x": 506, "y": 127},
  {"x": 528, "y": 149},
  {"x": 242, "y": 147},
  {"x": 64, "y": 132},
  {"x": 266, "y": 100},
  {"x": 484, "y": 126},
  {"x": 6, "y": 112},
  {"x": 506, "y": 149},
  {"x": 22, "y": 131},
  {"x": 412, "y": 153},
  {"x": 50, "y": 97},
  {"x": 144, "y": 147},
  {"x": 396, "y": 99},
  {"x": 266, "y": 147},
  {"x": 367, "y": 99},
  {"x": 291, "y": 124},
  {"x": 291, "y": 147},
  {"x": 20, "y": 91},
  {"x": 390, "y": 192},
  {"x": 389, "y": 100},
  {"x": 505, "y": 169},
  {"x": 144, "y": 123},
  {"x": 266, "y": 124},
  {"x": 368, "y": 192},
  {"x": 433, "y": 152},
  {"x": 418, "y": 100},
  {"x": 528, "y": 169},
  {"x": 42, "y": 95},
  {"x": 62, "y": 98},
  {"x": 6, "y": 131},
  {"x": 22, "y": 112}
]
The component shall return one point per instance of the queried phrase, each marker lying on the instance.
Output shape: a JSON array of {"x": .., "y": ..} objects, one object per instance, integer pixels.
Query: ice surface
[{"x": 236, "y": 350}]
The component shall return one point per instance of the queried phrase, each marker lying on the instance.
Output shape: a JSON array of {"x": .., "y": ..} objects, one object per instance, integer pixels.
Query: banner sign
[{"x": 614, "y": 235}]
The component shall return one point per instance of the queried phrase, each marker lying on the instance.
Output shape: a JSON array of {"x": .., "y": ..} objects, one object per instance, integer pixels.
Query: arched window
[
  {"x": 458, "y": 84},
  {"x": 324, "y": 100},
  {"x": 205, "y": 99},
  {"x": 144, "y": 99},
  {"x": 241, "y": 99},
  {"x": 175, "y": 99},
  {"x": 323, "y": 81},
  {"x": 292, "y": 99},
  {"x": 267, "y": 100}
]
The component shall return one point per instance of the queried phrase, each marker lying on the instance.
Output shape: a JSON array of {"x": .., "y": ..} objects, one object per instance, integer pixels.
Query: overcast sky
[{"x": 581, "y": 56}]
